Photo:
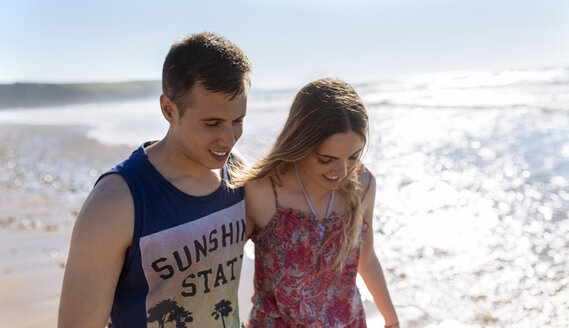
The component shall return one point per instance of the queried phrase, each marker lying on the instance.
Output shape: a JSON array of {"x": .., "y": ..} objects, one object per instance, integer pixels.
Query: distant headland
[{"x": 26, "y": 95}]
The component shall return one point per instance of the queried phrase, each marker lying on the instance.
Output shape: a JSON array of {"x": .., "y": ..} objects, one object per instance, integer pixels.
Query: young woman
[{"x": 309, "y": 206}]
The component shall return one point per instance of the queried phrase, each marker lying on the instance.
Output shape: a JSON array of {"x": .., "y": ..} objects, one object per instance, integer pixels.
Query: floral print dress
[{"x": 295, "y": 285}]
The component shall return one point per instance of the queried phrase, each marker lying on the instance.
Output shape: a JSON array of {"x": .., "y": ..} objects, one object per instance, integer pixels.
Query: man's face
[{"x": 209, "y": 127}]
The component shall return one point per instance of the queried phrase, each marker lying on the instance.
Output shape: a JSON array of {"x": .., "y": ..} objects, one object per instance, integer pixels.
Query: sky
[{"x": 289, "y": 42}]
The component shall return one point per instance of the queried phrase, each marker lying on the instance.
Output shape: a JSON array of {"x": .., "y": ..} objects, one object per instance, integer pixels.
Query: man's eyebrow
[
  {"x": 219, "y": 119},
  {"x": 212, "y": 119}
]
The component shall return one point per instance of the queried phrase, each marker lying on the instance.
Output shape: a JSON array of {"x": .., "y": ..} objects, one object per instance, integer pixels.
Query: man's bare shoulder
[
  {"x": 111, "y": 186},
  {"x": 101, "y": 236},
  {"x": 109, "y": 209}
]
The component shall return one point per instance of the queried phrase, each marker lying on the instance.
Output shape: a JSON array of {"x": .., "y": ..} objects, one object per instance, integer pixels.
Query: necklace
[{"x": 321, "y": 227}]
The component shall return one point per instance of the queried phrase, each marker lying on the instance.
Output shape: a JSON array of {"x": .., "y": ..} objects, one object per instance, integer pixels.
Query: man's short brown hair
[{"x": 206, "y": 58}]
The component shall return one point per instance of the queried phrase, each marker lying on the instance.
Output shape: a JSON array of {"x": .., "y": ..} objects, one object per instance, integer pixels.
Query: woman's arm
[{"x": 369, "y": 266}]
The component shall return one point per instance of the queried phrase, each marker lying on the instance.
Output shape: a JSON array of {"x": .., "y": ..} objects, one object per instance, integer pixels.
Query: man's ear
[{"x": 169, "y": 108}]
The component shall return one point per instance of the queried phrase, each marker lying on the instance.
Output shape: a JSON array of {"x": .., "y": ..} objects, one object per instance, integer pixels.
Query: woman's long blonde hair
[{"x": 320, "y": 109}]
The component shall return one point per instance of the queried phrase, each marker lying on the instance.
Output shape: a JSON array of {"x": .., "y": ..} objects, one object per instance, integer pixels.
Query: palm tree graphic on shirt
[
  {"x": 169, "y": 311},
  {"x": 222, "y": 309}
]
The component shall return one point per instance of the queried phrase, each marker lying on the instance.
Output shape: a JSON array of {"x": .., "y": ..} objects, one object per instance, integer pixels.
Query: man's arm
[{"x": 101, "y": 235}]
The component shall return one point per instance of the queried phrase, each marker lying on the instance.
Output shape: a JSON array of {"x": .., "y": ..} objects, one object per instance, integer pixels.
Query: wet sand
[{"x": 45, "y": 174}]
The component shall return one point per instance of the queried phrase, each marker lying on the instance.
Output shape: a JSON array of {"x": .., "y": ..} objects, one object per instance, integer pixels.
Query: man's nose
[{"x": 227, "y": 137}]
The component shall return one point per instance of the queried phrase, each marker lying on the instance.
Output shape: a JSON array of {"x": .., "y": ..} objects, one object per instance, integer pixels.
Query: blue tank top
[{"x": 182, "y": 268}]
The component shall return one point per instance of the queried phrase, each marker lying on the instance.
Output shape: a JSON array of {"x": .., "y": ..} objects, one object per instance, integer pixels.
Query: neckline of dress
[{"x": 308, "y": 199}]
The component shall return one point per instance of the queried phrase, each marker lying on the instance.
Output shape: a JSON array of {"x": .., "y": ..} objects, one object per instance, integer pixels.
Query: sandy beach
[{"x": 46, "y": 172}]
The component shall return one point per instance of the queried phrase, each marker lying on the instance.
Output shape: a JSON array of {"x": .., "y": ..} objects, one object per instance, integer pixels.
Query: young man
[{"x": 159, "y": 241}]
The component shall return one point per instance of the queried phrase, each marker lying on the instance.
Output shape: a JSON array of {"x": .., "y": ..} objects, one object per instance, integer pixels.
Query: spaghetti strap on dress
[{"x": 274, "y": 192}]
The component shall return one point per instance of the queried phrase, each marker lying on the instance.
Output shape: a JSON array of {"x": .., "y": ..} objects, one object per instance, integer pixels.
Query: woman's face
[{"x": 331, "y": 161}]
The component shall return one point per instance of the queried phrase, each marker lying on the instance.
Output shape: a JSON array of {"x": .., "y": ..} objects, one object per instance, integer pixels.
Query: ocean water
[{"x": 472, "y": 203}]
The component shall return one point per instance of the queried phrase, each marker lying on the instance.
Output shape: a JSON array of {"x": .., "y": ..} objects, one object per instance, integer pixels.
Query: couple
[{"x": 159, "y": 240}]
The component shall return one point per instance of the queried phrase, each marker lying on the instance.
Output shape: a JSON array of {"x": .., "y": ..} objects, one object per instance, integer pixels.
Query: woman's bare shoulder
[
  {"x": 259, "y": 187},
  {"x": 260, "y": 201},
  {"x": 366, "y": 181}
]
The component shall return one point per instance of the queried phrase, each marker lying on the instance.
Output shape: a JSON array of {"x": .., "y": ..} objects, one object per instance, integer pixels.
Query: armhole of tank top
[{"x": 104, "y": 175}]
